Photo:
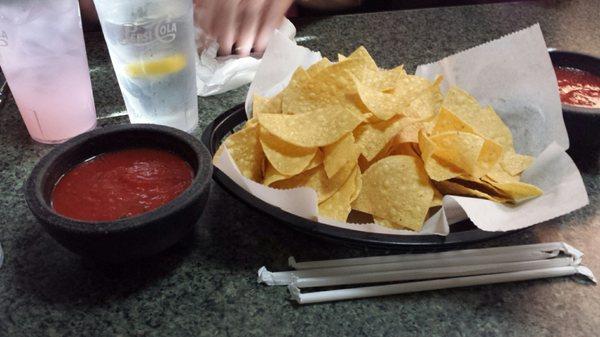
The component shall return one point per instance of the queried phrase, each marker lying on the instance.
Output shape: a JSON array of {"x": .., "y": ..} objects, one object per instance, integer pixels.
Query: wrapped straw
[
  {"x": 548, "y": 247},
  {"x": 401, "y": 288},
  {"x": 286, "y": 277},
  {"x": 431, "y": 273}
]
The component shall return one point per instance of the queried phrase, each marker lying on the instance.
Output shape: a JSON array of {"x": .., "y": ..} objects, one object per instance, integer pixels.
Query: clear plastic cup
[
  {"x": 151, "y": 45},
  {"x": 42, "y": 55}
]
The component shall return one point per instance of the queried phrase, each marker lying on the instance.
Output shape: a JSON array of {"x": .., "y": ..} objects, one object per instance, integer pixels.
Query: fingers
[
  {"x": 203, "y": 16},
  {"x": 202, "y": 21},
  {"x": 224, "y": 24},
  {"x": 272, "y": 17},
  {"x": 251, "y": 16},
  {"x": 246, "y": 23}
]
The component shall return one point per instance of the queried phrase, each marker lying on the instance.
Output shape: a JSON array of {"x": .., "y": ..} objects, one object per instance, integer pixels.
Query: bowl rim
[
  {"x": 43, "y": 210},
  {"x": 574, "y": 108},
  {"x": 227, "y": 121}
]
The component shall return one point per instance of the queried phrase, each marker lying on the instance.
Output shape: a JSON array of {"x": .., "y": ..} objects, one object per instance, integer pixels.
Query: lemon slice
[{"x": 158, "y": 67}]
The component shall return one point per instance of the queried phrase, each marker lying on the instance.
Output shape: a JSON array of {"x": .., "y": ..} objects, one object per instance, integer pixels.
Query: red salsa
[
  {"x": 121, "y": 184},
  {"x": 578, "y": 87}
]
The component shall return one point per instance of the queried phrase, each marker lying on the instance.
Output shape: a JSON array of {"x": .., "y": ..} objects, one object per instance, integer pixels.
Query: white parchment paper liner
[{"x": 515, "y": 75}]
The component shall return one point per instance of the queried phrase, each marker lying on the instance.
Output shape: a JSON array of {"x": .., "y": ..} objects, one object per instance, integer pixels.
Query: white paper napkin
[{"x": 215, "y": 75}]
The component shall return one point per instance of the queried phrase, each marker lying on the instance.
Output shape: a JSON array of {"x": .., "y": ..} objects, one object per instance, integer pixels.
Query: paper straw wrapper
[
  {"x": 399, "y": 274},
  {"x": 409, "y": 287},
  {"x": 548, "y": 247},
  {"x": 420, "y": 261},
  {"x": 431, "y": 273},
  {"x": 286, "y": 277}
]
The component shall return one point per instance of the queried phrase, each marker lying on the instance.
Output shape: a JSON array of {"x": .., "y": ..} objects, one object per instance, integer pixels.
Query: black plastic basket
[{"x": 460, "y": 234}]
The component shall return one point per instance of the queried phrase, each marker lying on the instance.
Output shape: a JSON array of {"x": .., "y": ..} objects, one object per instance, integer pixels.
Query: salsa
[
  {"x": 578, "y": 87},
  {"x": 121, "y": 184}
]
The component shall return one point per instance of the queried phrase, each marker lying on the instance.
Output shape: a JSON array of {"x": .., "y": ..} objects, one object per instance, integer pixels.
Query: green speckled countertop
[{"x": 207, "y": 286}]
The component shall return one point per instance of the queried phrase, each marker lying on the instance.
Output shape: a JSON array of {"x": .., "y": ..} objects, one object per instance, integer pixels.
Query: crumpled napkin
[{"x": 215, "y": 75}]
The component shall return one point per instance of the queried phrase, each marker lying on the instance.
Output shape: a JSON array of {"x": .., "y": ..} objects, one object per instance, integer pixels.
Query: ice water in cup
[
  {"x": 42, "y": 55},
  {"x": 151, "y": 45}
]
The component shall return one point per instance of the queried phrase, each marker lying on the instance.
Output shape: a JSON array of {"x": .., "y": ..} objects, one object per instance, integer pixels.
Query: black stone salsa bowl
[
  {"x": 583, "y": 124},
  {"x": 129, "y": 238}
]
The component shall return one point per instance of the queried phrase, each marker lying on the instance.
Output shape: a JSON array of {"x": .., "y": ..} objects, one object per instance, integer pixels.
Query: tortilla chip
[
  {"x": 436, "y": 168},
  {"x": 383, "y": 80},
  {"x": 286, "y": 158},
  {"x": 410, "y": 86},
  {"x": 398, "y": 190},
  {"x": 339, "y": 153},
  {"x": 318, "y": 66},
  {"x": 437, "y": 198},
  {"x": 499, "y": 175},
  {"x": 447, "y": 121},
  {"x": 266, "y": 105},
  {"x": 484, "y": 120},
  {"x": 318, "y": 128},
  {"x": 372, "y": 138},
  {"x": 317, "y": 179},
  {"x": 515, "y": 163},
  {"x": 427, "y": 103},
  {"x": 455, "y": 188},
  {"x": 271, "y": 175},
  {"x": 246, "y": 151},
  {"x": 518, "y": 191},
  {"x": 289, "y": 94},
  {"x": 383, "y": 106},
  {"x": 410, "y": 133},
  {"x": 337, "y": 206}
]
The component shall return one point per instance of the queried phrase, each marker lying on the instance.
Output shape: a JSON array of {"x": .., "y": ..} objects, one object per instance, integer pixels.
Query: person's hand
[{"x": 240, "y": 26}]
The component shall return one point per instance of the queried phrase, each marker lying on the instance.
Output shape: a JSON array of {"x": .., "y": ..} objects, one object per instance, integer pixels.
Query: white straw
[
  {"x": 433, "y": 273},
  {"x": 564, "y": 247},
  {"x": 401, "y": 288},
  {"x": 286, "y": 277}
]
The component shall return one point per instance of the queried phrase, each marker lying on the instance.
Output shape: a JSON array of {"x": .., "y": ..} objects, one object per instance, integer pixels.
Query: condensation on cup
[
  {"x": 42, "y": 54},
  {"x": 152, "y": 48}
]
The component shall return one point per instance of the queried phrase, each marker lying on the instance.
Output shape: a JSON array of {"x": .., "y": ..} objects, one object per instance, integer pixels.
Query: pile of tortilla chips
[{"x": 378, "y": 141}]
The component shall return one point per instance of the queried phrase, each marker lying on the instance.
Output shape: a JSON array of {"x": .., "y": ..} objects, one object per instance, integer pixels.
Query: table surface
[{"x": 206, "y": 286}]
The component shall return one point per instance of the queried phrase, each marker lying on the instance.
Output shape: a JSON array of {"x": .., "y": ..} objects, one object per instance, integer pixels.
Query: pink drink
[{"x": 43, "y": 58}]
